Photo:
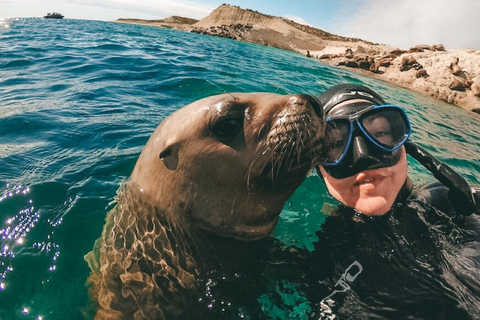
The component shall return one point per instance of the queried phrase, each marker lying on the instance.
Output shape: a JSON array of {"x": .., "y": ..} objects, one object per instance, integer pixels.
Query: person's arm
[{"x": 465, "y": 198}]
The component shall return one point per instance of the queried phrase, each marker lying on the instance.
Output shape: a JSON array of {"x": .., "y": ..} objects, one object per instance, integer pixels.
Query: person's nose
[{"x": 361, "y": 152}]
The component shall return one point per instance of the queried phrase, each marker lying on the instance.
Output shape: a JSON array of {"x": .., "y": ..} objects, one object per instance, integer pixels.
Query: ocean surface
[{"x": 78, "y": 101}]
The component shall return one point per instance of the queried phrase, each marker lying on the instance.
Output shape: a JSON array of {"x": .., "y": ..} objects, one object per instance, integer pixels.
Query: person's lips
[{"x": 363, "y": 179}]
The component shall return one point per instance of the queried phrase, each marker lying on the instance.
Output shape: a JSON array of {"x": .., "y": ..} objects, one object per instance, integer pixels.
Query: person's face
[{"x": 372, "y": 192}]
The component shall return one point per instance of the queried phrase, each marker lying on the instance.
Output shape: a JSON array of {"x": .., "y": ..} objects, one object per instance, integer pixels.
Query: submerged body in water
[
  {"x": 414, "y": 262},
  {"x": 402, "y": 244}
]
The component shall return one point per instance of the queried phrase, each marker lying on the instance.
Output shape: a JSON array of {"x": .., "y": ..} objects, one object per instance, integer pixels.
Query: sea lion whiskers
[
  {"x": 288, "y": 139},
  {"x": 293, "y": 141},
  {"x": 254, "y": 162},
  {"x": 299, "y": 136},
  {"x": 223, "y": 90},
  {"x": 309, "y": 136},
  {"x": 264, "y": 148},
  {"x": 286, "y": 155},
  {"x": 265, "y": 151},
  {"x": 277, "y": 161}
]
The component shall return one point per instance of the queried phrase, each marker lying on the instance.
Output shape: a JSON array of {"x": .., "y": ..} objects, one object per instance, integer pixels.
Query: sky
[{"x": 399, "y": 23}]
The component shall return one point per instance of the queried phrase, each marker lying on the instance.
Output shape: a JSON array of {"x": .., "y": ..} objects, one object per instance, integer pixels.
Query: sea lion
[
  {"x": 224, "y": 165},
  {"x": 457, "y": 85},
  {"x": 438, "y": 47},
  {"x": 422, "y": 73},
  {"x": 409, "y": 62},
  {"x": 455, "y": 69},
  {"x": 475, "y": 87}
]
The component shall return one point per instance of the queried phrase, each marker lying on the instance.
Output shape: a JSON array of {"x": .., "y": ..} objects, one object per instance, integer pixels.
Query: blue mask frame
[{"x": 356, "y": 119}]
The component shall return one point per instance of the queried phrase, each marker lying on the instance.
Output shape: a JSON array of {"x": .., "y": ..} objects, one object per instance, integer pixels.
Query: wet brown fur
[{"x": 189, "y": 180}]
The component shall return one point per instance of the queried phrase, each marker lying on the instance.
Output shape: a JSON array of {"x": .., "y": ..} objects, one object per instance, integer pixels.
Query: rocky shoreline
[
  {"x": 452, "y": 76},
  {"x": 449, "y": 75}
]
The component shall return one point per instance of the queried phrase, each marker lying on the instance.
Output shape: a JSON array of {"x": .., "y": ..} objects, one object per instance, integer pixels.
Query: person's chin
[{"x": 374, "y": 207}]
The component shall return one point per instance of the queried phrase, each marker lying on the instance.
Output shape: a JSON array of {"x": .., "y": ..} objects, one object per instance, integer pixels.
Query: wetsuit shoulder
[{"x": 436, "y": 195}]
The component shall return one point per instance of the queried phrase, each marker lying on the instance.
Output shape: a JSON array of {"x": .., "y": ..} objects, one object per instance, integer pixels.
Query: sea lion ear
[
  {"x": 169, "y": 156},
  {"x": 315, "y": 103}
]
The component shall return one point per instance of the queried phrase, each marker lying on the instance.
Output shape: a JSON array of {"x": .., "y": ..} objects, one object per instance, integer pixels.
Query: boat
[{"x": 54, "y": 15}]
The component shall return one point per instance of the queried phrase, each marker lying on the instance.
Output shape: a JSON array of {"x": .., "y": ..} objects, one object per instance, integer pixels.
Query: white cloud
[
  {"x": 170, "y": 7},
  {"x": 298, "y": 20},
  {"x": 104, "y": 10},
  {"x": 406, "y": 23}
]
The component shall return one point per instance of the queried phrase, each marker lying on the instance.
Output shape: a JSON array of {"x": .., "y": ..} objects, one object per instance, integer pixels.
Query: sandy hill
[
  {"x": 179, "y": 20},
  {"x": 452, "y": 76},
  {"x": 170, "y": 22},
  {"x": 226, "y": 15},
  {"x": 251, "y": 26}
]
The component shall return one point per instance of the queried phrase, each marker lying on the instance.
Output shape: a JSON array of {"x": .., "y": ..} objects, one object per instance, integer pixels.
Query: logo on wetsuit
[{"x": 350, "y": 274}]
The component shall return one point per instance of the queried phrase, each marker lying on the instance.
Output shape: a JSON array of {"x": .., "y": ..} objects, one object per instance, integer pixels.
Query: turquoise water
[{"x": 78, "y": 101}]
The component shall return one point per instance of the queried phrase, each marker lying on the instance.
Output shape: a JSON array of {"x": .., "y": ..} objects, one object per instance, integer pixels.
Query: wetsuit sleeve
[
  {"x": 442, "y": 199},
  {"x": 464, "y": 198},
  {"x": 436, "y": 195}
]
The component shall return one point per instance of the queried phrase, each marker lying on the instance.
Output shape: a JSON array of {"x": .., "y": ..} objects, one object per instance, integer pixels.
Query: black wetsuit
[{"x": 421, "y": 260}]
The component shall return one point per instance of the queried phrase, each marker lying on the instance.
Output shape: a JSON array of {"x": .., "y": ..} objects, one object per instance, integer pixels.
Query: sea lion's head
[{"x": 228, "y": 163}]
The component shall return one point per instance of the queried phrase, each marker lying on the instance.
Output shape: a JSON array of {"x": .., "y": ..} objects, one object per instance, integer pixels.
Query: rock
[
  {"x": 360, "y": 49},
  {"x": 475, "y": 87}
]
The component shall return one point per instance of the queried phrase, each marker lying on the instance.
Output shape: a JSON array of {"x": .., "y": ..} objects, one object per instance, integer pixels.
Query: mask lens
[
  {"x": 387, "y": 126},
  {"x": 337, "y": 137}
]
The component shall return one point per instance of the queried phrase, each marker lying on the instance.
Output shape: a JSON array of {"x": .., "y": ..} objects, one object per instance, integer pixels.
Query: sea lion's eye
[{"x": 227, "y": 128}]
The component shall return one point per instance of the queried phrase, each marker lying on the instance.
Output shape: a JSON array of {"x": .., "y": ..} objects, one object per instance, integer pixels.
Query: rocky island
[{"x": 449, "y": 75}]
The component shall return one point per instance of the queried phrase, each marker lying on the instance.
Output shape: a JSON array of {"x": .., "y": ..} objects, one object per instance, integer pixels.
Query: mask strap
[{"x": 446, "y": 175}]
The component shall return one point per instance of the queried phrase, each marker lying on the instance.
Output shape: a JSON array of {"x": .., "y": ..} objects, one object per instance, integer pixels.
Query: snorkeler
[
  {"x": 390, "y": 250},
  {"x": 364, "y": 165}
]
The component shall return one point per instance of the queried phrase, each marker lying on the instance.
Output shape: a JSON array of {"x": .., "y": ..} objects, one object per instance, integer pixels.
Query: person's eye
[
  {"x": 227, "y": 128},
  {"x": 380, "y": 134}
]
